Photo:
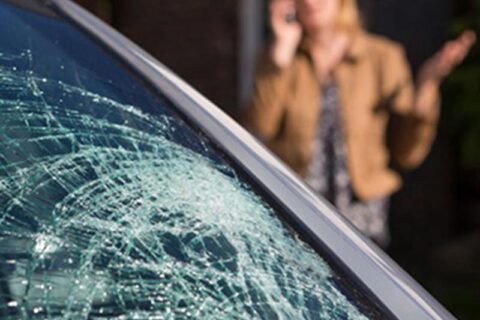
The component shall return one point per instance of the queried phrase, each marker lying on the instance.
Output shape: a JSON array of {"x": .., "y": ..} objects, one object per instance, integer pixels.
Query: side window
[{"x": 112, "y": 206}]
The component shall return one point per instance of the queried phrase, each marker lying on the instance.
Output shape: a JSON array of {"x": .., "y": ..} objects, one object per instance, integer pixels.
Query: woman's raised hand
[
  {"x": 287, "y": 32},
  {"x": 447, "y": 58},
  {"x": 435, "y": 69}
]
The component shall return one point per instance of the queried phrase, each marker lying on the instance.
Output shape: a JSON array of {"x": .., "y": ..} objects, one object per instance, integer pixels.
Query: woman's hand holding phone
[{"x": 287, "y": 32}]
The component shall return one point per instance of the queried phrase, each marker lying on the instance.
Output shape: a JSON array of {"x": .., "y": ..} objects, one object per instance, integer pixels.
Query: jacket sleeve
[
  {"x": 410, "y": 135},
  {"x": 264, "y": 113}
]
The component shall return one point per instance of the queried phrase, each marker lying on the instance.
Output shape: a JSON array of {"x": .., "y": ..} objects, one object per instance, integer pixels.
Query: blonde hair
[{"x": 349, "y": 16}]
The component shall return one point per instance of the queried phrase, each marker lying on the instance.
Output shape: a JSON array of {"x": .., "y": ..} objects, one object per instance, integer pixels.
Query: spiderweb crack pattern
[{"x": 103, "y": 214}]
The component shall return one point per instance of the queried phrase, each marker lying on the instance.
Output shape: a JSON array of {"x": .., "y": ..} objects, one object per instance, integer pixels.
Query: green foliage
[{"x": 462, "y": 96}]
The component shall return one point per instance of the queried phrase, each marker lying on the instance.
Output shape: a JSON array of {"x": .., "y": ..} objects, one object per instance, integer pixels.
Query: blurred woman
[{"x": 325, "y": 93}]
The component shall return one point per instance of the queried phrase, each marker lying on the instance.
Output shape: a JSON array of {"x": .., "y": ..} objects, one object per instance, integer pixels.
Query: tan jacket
[{"x": 376, "y": 89}]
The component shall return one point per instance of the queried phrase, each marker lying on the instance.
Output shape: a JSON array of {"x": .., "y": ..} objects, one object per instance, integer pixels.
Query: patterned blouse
[{"x": 328, "y": 173}]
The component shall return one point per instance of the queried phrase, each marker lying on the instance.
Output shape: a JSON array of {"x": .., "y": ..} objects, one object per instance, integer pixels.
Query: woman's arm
[
  {"x": 263, "y": 116},
  {"x": 413, "y": 129}
]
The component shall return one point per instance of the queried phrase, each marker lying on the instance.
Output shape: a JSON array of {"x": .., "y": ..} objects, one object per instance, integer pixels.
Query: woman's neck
[
  {"x": 322, "y": 38},
  {"x": 328, "y": 48}
]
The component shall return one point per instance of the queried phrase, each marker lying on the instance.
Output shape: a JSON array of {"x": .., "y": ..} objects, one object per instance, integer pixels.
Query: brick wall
[
  {"x": 198, "y": 40},
  {"x": 102, "y": 8}
]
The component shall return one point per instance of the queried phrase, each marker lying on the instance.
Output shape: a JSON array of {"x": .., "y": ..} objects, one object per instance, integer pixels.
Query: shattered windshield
[{"x": 111, "y": 206}]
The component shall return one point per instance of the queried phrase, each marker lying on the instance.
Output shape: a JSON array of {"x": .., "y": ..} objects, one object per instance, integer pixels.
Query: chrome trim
[{"x": 392, "y": 286}]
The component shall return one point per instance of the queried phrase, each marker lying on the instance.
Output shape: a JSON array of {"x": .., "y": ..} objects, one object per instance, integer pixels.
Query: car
[{"x": 125, "y": 194}]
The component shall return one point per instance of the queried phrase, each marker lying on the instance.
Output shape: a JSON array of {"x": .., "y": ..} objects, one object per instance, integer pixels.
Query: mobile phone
[{"x": 291, "y": 16}]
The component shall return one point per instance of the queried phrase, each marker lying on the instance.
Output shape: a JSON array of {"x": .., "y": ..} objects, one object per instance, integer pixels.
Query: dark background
[{"x": 435, "y": 219}]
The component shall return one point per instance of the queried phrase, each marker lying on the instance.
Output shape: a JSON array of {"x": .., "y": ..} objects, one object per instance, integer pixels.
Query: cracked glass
[{"x": 112, "y": 206}]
